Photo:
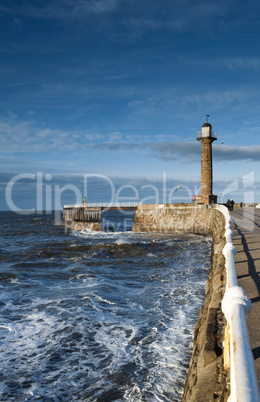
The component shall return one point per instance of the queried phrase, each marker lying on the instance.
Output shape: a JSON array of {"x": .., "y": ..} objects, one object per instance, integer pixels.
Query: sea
[{"x": 97, "y": 316}]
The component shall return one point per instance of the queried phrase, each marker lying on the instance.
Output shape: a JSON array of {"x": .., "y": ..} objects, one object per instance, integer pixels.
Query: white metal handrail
[
  {"x": 114, "y": 204},
  {"x": 105, "y": 205},
  {"x": 235, "y": 306}
]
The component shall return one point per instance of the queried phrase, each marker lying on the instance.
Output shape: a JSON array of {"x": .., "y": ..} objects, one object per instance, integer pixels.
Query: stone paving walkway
[{"x": 246, "y": 239}]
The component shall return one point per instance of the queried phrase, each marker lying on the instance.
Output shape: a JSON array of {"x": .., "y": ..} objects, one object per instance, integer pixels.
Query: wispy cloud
[
  {"x": 137, "y": 16},
  {"x": 27, "y": 136},
  {"x": 175, "y": 101},
  {"x": 243, "y": 153},
  {"x": 243, "y": 63},
  {"x": 230, "y": 63},
  {"x": 188, "y": 152},
  {"x": 63, "y": 9},
  {"x": 178, "y": 16}
]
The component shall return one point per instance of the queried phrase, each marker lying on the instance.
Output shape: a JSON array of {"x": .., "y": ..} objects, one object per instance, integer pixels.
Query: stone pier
[
  {"x": 207, "y": 380},
  {"x": 82, "y": 218}
]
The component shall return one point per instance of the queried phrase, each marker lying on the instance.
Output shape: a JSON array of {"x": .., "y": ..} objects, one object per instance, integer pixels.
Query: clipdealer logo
[{"x": 48, "y": 195}]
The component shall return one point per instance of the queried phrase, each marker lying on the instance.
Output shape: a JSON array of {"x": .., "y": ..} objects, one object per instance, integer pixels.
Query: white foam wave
[
  {"x": 6, "y": 327},
  {"x": 127, "y": 328},
  {"x": 102, "y": 299},
  {"x": 122, "y": 240},
  {"x": 120, "y": 237},
  {"x": 151, "y": 255}
]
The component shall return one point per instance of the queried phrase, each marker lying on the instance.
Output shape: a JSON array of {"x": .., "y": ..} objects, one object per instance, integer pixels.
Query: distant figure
[
  {"x": 84, "y": 201},
  {"x": 232, "y": 202},
  {"x": 229, "y": 204},
  {"x": 194, "y": 198}
]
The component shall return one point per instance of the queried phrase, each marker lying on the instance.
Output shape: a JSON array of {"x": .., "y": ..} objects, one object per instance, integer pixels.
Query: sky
[{"x": 104, "y": 98}]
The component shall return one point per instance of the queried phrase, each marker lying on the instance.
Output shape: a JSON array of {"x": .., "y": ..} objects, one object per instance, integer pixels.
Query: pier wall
[
  {"x": 207, "y": 380},
  {"x": 80, "y": 218}
]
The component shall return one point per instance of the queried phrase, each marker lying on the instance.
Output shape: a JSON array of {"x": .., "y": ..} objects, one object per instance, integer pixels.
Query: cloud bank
[
  {"x": 26, "y": 136},
  {"x": 188, "y": 152}
]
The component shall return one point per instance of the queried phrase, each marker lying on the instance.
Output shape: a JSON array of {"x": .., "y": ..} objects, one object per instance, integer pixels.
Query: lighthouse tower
[{"x": 206, "y": 137}]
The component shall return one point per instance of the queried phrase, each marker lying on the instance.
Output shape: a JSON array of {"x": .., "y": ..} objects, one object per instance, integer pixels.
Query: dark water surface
[{"x": 96, "y": 316}]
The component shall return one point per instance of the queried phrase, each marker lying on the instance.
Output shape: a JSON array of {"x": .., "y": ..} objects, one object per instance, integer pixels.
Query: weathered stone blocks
[{"x": 207, "y": 380}]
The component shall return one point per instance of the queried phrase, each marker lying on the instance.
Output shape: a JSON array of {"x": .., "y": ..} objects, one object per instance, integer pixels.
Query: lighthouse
[{"x": 206, "y": 137}]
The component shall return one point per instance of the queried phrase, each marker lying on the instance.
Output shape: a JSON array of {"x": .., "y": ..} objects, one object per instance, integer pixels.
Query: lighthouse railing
[{"x": 213, "y": 134}]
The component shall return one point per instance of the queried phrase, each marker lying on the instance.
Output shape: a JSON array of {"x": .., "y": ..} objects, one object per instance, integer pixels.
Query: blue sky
[{"x": 120, "y": 88}]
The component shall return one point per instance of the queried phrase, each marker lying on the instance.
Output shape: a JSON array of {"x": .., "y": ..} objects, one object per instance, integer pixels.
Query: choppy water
[{"x": 96, "y": 316}]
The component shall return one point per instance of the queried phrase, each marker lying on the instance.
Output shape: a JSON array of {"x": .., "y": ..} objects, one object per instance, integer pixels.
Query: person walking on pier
[{"x": 229, "y": 204}]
